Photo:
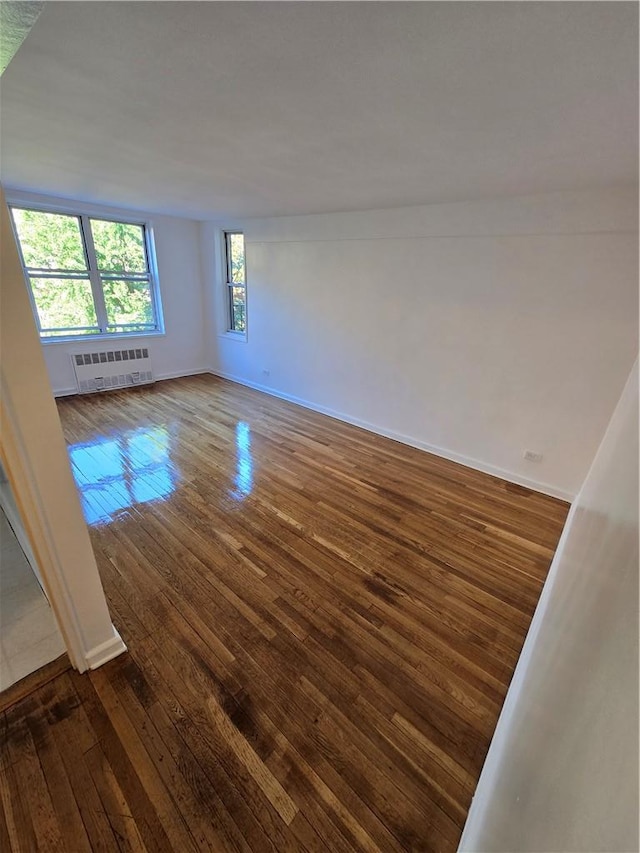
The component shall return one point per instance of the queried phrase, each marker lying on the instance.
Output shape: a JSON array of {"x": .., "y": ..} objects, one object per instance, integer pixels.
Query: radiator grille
[{"x": 108, "y": 369}]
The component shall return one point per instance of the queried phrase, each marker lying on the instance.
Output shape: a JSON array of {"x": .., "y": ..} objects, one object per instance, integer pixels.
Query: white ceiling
[{"x": 213, "y": 109}]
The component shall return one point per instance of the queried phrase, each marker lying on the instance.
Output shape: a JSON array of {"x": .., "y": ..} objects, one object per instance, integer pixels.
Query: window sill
[
  {"x": 241, "y": 337},
  {"x": 88, "y": 339}
]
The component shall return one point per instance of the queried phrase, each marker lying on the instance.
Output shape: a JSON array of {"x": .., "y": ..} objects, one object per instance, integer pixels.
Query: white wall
[
  {"x": 562, "y": 770},
  {"x": 181, "y": 350},
  {"x": 479, "y": 329}
]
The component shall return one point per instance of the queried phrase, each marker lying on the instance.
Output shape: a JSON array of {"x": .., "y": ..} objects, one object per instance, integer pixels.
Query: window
[
  {"x": 236, "y": 278},
  {"x": 87, "y": 275}
]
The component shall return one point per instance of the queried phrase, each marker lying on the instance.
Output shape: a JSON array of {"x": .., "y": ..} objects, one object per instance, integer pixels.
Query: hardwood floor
[{"x": 322, "y": 625}]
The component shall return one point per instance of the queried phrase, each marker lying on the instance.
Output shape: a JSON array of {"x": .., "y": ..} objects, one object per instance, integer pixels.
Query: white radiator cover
[{"x": 105, "y": 369}]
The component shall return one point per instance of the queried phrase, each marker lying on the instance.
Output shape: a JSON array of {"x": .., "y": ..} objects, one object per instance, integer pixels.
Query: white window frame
[
  {"x": 229, "y": 285},
  {"x": 92, "y": 272}
]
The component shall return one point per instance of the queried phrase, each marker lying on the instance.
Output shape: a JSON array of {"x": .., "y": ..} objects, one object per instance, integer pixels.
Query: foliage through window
[
  {"x": 236, "y": 277},
  {"x": 88, "y": 276}
]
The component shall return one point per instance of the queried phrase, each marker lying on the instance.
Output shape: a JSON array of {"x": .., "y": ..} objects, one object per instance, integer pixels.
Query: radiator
[{"x": 114, "y": 368}]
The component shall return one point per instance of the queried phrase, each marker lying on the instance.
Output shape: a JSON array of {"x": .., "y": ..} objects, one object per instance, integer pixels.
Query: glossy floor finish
[{"x": 322, "y": 626}]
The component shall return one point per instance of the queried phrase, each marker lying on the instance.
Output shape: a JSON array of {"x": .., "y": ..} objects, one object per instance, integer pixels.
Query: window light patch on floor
[{"x": 113, "y": 474}]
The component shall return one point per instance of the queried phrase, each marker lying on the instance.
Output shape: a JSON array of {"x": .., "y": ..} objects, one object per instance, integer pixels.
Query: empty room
[{"x": 319, "y": 427}]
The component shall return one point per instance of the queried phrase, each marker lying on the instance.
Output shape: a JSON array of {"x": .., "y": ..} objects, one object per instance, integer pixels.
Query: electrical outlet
[{"x": 532, "y": 456}]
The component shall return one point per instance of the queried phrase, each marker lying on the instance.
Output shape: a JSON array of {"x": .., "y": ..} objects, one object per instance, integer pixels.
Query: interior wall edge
[
  {"x": 578, "y": 660},
  {"x": 104, "y": 652},
  {"x": 35, "y": 460}
]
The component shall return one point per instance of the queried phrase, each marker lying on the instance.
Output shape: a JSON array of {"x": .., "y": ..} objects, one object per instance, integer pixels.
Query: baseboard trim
[
  {"x": 177, "y": 374},
  {"x": 106, "y": 651},
  {"x": 451, "y": 455},
  {"x": 160, "y": 377}
]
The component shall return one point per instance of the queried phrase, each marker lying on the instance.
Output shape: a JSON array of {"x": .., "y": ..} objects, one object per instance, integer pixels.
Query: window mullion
[{"x": 94, "y": 275}]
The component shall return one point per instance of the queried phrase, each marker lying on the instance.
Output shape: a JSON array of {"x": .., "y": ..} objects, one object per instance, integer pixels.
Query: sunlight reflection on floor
[
  {"x": 244, "y": 462},
  {"x": 115, "y": 473}
]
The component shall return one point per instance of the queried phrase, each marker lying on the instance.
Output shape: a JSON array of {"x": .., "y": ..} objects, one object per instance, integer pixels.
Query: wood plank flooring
[{"x": 322, "y": 625}]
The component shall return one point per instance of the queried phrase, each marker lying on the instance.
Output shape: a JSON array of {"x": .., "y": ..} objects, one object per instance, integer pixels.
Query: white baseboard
[
  {"x": 159, "y": 377},
  {"x": 477, "y": 465},
  {"x": 64, "y": 392},
  {"x": 105, "y": 651},
  {"x": 176, "y": 374}
]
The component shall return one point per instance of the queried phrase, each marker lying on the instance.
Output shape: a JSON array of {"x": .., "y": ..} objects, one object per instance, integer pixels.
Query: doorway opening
[{"x": 29, "y": 635}]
